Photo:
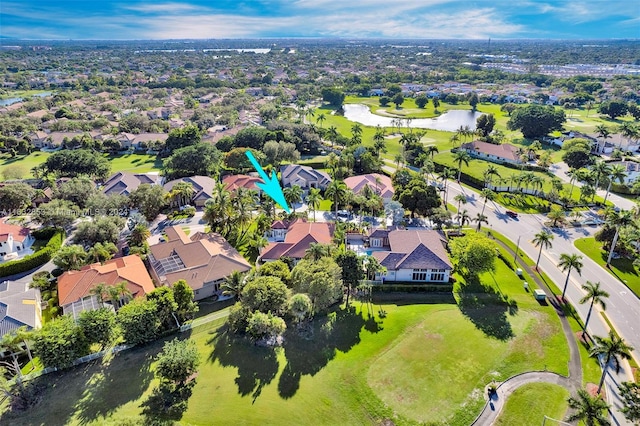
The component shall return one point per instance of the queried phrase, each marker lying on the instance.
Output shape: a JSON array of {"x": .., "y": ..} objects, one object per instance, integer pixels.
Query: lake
[
  {"x": 9, "y": 101},
  {"x": 449, "y": 121}
]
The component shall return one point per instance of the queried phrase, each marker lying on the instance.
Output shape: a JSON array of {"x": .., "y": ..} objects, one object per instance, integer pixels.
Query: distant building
[{"x": 14, "y": 239}]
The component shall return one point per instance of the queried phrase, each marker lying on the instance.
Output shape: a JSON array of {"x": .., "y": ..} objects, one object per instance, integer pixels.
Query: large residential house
[
  {"x": 632, "y": 169},
  {"x": 74, "y": 287},
  {"x": 19, "y": 306},
  {"x": 202, "y": 260},
  {"x": 412, "y": 255},
  {"x": 203, "y": 187},
  {"x": 292, "y": 239},
  {"x": 303, "y": 176},
  {"x": 124, "y": 183},
  {"x": 379, "y": 184},
  {"x": 233, "y": 182},
  {"x": 503, "y": 153},
  {"x": 14, "y": 239}
]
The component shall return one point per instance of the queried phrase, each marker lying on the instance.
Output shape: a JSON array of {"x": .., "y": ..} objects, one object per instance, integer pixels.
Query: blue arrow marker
[{"x": 271, "y": 186}]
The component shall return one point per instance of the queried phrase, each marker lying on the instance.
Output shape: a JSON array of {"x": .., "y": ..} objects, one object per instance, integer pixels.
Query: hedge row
[
  {"x": 42, "y": 256},
  {"x": 413, "y": 288}
]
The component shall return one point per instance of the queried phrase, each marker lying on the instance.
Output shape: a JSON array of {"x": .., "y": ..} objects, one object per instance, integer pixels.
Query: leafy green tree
[
  {"x": 618, "y": 220},
  {"x": 183, "y": 295},
  {"x": 300, "y": 307},
  {"x": 238, "y": 318},
  {"x": 103, "y": 229},
  {"x": 352, "y": 270},
  {"x": 165, "y": 304},
  {"x": 473, "y": 253},
  {"x": 485, "y": 124},
  {"x": 71, "y": 257},
  {"x": 139, "y": 321},
  {"x": 278, "y": 269},
  {"x": 614, "y": 108},
  {"x": 278, "y": 152},
  {"x": 202, "y": 159},
  {"x": 77, "y": 190},
  {"x": 333, "y": 95},
  {"x": 265, "y": 294},
  {"x": 630, "y": 394},
  {"x": 384, "y": 101},
  {"x": 536, "y": 121},
  {"x": 99, "y": 326},
  {"x": 608, "y": 349},
  {"x": 265, "y": 326},
  {"x": 577, "y": 156},
  {"x": 594, "y": 295},
  {"x": 233, "y": 285},
  {"x": 418, "y": 197},
  {"x": 149, "y": 199},
  {"x": 178, "y": 360},
  {"x": 182, "y": 137},
  {"x": 567, "y": 263},
  {"x": 397, "y": 99},
  {"x": 321, "y": 280},
  {"x": 60, "y": 342},
  {"x": 237, "y": 159},
  {"x": 78, "y": 162},
  {"x": 473, "y": 100},
  {"x": 15, "y": 196},
  {"x": 590, "y": 409},
  {"x": 421, "y": 101},
  {"x": 58, "y": 213}
]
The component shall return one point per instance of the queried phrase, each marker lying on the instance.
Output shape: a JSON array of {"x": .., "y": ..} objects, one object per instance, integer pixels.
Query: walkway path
[{"x": 494, "y": 406}]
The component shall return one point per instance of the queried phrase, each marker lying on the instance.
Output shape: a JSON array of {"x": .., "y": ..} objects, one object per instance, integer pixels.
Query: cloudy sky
[{"x": 159, "y": 19}]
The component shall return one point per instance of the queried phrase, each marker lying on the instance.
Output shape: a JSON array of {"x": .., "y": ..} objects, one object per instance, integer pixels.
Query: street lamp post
[{"x": 515, "y": 258}]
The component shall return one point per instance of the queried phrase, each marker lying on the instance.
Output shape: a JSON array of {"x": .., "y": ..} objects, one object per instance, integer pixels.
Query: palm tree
[
  {"x": 99, "y": 291},
  {"x": 616, "y": 172},
  {"x": 378, "y": 141},
  {"x": 464, "y": 218},
  {"x": 138, "y": 235},
  {"x": 567, "y": 263},
  {"x": 461, "y": 156},
  {"x": 542, "y": 239},
  {"x": 487, "y": 195},
  {"x": 604, "y": 132},
  {"x": 399, "y": 159},
  {"x": 431, "y": 150},
  {"x": 445, "y": 175},
  {"x": 594, "y": 295},
  {"x": 313, "y": 200},
  {"x": 183, "y": 192},
  {"x": 556, "y": 215},
  {"x": 316, "y": 251},
  {"x": 233, "y": 285},
  {"x": 293, "y": 195},
  {"x": 256, "y": 243},
  {"x": 320, "y": 119},
  {"x": 356, "y": 133},
  {"x": 480, "y": 218},
  {"x": 332, "y": 133},
  {"x": 454, "y": 139},
  {"x": 618, "y": 220},
  {"x": 332, "y": 163},
  {"x": 489, "y": 173},
  {"x": 611, "y": 348},
  {"x": 337, "y": 192},
  {"x": 629, "y": 131},
  {"x": 461, "y": 199},
  {"x": 122, "y": 291},
  {"x": 600, "y": 169},
  {"x": 590, "y": 409}
]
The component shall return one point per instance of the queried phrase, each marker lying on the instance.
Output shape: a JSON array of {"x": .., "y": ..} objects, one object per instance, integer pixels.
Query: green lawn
[
  {"x": 21, "y": 93},
  {"x": 362, "y": 370},
  {"x": 530, "y": 403},
  {"x": 135, "y": 163},
  {"x": 621, "y": 268}
]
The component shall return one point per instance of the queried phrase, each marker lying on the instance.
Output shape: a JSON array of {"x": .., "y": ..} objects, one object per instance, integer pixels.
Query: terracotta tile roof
[
  {"x": 17, "y": 232},
  {"x": 383, "y": 187},
  {"x": 233, "y": 182},
  {"x": 75, "y": 285},
  {"x": 504, "y": 151},
  {"x": 299, "y": 237},
  {"x": 415, "y": 249},
  {"x": 197, "y": 260}
]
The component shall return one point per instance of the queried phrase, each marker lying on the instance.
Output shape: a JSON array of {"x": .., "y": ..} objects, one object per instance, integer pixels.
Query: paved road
[{"x": 623, "y": 307}]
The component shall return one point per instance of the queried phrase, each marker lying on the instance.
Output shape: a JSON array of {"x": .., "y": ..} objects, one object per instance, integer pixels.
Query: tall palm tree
[
  {"x": 454, "y": 139},
  {"x": 604, "y": 132},
  {"x": 628, "y": 130},
  {"x": 332, "y": 133},
  {"x": 124, "y": 294},
  {"x": 489, "y": 174},
  {"x": 617, "y": 172},
  {"x": 183, "y": 192},
  {"x": 600, "y": 170},
  {"x": 321, "y": 118},
  {"x": 542, "y": 239},
  {"x": 590, "y": 409},
  {"x": 480, "y": 219},
  {"x": 444, "y": 176},
  {"x": 139, "y": 235},
  {"x": 463, "y": 217},
  {"x": 399, "y": 159},
  {"x": 460, "y": 199},
  {"x": 619, "y": 220},
  {"x": 256, "y": 243},
  {"x": 293, "y": 195},
  {"x": 612, "y": 348},
  {"x": 233, "y": 285},
  {"x": 461, "y": 156},
  {"x": 594, "y": 295},
  {"x": 431, "y": 150},
  {"x": 313, "y": 200},
  {"x": 316, "y": 251},
  {"x": 99, "y": 291},
  {"x": 487, "y": 195},
  {"x": 356, "y": 133},
  {"x": 337, "y": 192},
  {"x": 378, "y": 141},
  {"x": 332, "y": 163},
  {"x": 567, "y": 263}
]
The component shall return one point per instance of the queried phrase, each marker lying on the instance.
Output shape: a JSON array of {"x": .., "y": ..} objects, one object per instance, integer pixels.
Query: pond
[
  {"x": 449, "y": 121},
  {"x": 10, "y": 101}
]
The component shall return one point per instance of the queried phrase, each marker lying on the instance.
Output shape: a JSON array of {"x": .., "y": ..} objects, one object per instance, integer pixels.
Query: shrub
[{"x": 38, "y": 258}]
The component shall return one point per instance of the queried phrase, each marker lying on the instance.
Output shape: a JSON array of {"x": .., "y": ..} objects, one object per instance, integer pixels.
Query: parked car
[{"x": 511, "y": 214}]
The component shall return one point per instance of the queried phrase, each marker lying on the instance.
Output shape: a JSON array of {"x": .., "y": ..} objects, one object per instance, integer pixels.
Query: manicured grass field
[
  {"x": 621, "y": 268},
  {"x": 530, "y": 403},
  {"x": 21, "y": 93},
  {"x": 135, "y": 163},
  {"x": 357, "y": 369}
]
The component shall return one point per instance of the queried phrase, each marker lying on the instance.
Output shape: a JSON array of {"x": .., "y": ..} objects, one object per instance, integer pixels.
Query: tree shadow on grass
[
  {"x": 257, "y": 365},
  {"x": 167, "y": 403},
  {"x": 487, "y": 308},
  {"x": 339, "y": 331},
  {"x": 112, "y": 385}
]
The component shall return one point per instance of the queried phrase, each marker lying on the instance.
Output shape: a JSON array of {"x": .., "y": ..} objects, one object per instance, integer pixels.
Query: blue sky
[{"x": 472, "y": 19}]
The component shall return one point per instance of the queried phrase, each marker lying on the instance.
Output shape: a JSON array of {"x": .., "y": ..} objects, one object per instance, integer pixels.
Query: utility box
[
  {"x": 519, "y": 272},
  {"x": 539, "y": 294}
]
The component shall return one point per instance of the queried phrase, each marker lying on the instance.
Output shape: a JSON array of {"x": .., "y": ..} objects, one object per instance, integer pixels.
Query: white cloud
[{"x": 163, "y": 8}]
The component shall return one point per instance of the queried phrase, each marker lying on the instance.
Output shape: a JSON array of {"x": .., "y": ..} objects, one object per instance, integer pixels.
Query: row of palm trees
[
  {"x": 595, "y": 175},
  {"x": 627, "y": 129}
]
